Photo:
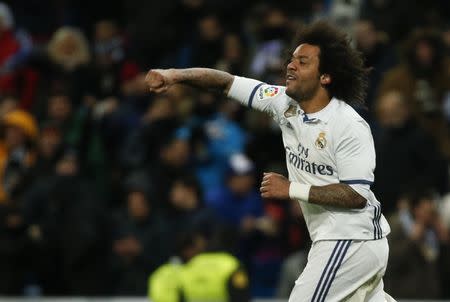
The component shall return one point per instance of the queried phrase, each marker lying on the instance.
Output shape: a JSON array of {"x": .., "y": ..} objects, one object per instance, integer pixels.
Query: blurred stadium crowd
[{"x": 98, "y": 178}]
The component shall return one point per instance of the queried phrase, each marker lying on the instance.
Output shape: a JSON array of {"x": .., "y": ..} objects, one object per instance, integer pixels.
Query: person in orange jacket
[{"x": 17, "y": 155}]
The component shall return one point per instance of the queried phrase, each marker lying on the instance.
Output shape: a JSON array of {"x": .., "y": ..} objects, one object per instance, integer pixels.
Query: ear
[{"x": 325, "y": 79}]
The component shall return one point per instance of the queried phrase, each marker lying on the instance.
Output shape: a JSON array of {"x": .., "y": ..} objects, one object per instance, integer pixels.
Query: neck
[{"x": 319, "y": 101}]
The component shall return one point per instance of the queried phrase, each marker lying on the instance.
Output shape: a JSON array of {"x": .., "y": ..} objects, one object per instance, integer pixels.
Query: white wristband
[{"x": 299, "y": 191}]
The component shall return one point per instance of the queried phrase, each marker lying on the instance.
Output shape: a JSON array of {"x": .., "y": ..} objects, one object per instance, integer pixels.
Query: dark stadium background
[{"x": 104, "y": 177}]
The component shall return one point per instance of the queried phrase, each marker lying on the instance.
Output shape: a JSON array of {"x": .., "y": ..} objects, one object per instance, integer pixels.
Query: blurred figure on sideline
[
  {"x": 199, "y": 273},
  {"x": 164, "y": 284}
]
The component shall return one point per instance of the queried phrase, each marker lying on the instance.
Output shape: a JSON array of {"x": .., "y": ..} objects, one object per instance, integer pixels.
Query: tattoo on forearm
[
  {"x": 337, "y": 195},
  {"x": 207, "y": 78}
]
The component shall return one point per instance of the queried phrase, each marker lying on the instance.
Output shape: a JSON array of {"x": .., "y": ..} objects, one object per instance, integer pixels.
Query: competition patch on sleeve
[{"x": 267, "y": 92}]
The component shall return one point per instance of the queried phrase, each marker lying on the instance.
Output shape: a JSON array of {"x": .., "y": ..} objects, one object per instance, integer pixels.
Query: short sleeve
[
  {"x": 258, "y": 95},
  {"x": 355, "y": 157}
]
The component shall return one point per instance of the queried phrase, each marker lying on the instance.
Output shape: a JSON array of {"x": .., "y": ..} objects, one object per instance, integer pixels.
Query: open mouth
[{"x": 290, "y": 77}]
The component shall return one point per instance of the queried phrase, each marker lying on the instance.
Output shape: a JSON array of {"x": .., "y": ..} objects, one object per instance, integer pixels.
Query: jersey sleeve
[
  {"x": 355, "y": 157},
  {"x": 258, "y": 95}
]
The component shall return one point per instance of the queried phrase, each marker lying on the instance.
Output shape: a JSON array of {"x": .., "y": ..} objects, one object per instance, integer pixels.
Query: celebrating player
[{"x": 330, "y": 158}]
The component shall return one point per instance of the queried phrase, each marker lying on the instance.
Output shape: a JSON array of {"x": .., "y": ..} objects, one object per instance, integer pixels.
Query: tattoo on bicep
[
  {"x": 337, "y": 195},
  {"x": 207, "y": 78}
]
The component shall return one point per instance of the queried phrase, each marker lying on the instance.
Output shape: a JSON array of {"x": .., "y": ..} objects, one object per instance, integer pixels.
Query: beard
[{"x": 302, "y": 94}]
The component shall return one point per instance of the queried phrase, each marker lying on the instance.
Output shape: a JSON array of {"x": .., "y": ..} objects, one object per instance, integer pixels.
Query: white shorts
[{"x": 343, "y": 270}]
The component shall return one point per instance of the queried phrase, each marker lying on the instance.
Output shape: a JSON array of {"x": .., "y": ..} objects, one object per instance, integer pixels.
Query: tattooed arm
[
  {"x": 337, "y": 195},
  {"x": 159, "y": 80}
]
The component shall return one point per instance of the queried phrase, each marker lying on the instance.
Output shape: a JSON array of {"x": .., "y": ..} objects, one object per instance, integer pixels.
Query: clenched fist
[
  {"x": 275, "y": 186},
  {"x": 160, "y": 80}
]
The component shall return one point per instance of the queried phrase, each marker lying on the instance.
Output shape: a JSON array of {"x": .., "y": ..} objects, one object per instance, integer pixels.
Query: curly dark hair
[{"x": 339, "y": 59}]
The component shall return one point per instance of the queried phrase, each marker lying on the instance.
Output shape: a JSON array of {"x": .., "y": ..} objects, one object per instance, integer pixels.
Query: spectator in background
[
  {"x": 8, "y": 104},
  {"x": 422, "y": 163},
  {"x": 49, "y": 149},
  {"x": 152, "y": 38},
  {"x": 215, "y": 137},
  {"x": 115, "y": 87},
  {"x": 183, "y": 101},
  {"x": 59, "y": 110},
  {"x": 17, "y": 153},
  {"x": 69, "y": 232},
  {"x": 112, "y": 69},
  {"x": 417, "y": 233},
  {"x": 156, "y": 149},
  {"x": 14, "y": 259},
  {"x": 172, "y": 162},
  {"x": 391, "y": 17},
  {"x": 69, "y": 49},
  {"x": 424, "y": 73},
  {"x": 45, "y": 18},
  {"x": 344, "y": 13},
  {"x": 15, "y": 49},
  {"x": 17, "y": 156},
  {"x": 239, "y": 206},
  {"x": 233, "y": 58},
  {"x": 140, "y": 239},
  {"x": 262, "y": 129},
  {"x": 207, "y": 45},
  {"x": 385, "y": 15},
  {"x": 158, "y": 122},
  {"x": 186, "y": 210},
  {"x": 378, "y": 54},
  {"x": 273, "y": 35},
  {"x": 79, "y": 127},
  {"x": 237, "y": 202},
  {"x": 63, "y": 66},
  {"x": 17, "y": 43},
  {"x": 424, "y": 79}
]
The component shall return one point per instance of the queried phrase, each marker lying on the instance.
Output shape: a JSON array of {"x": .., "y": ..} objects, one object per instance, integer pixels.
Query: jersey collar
[{"x": 323, "y": 115}]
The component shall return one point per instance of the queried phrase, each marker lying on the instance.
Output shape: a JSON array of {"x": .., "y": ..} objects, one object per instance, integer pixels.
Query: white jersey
[{"x": 334, "y": 145}]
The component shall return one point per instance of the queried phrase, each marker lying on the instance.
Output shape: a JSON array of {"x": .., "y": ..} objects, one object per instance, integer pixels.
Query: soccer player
[{"x": 330, "y": 158}]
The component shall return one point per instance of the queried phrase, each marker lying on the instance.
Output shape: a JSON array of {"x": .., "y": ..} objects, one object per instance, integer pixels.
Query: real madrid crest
[{"x": 321, "y": 141}]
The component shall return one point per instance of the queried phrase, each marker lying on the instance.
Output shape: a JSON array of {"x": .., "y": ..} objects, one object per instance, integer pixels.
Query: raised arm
[{"x": 159, "y": 80}]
